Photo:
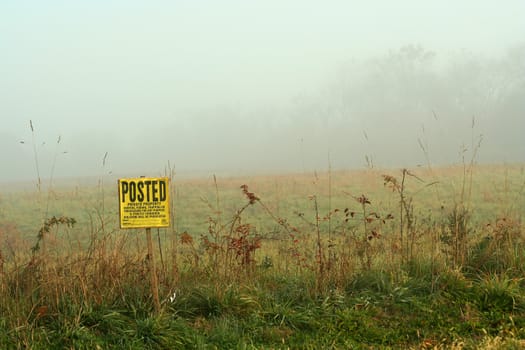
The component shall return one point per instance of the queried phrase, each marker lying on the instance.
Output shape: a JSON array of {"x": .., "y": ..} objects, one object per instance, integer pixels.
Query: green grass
[{"x": 374, "y": 310}]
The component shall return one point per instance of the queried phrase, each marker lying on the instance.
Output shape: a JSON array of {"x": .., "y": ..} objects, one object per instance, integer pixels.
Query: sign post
[
  {"x": 144, "y": 203},
  {"x": 153, "y": 269}
]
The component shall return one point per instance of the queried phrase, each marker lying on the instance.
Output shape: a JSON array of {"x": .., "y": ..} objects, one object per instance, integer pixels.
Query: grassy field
[{"x": 372, "y": 259}]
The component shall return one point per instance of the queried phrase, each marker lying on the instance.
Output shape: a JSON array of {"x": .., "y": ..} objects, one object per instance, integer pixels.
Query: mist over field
[{"x": 235, "y": 87}]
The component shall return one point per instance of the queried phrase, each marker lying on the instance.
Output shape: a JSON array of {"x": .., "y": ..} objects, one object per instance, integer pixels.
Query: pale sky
[{"x": 213, "y": 86}]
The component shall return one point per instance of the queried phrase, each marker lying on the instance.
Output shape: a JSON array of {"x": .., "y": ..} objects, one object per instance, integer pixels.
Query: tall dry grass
[{"x": 336, "y": 232}]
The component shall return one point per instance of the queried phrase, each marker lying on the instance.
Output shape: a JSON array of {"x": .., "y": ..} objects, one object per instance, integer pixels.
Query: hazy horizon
[{"x": 253, "y": 87}]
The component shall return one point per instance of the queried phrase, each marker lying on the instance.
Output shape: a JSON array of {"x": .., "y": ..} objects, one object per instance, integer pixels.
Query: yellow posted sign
[{"x": 144, "y": 202}]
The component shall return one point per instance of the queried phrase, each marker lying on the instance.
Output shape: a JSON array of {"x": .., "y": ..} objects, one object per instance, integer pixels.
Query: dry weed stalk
[
  {"x": 320, "y": 258},
  {"x": 459, "y": 219},
  {"x": 407, "y": 222},
  {"x": 169, "y": 172},
  {"x": 232, "y": 244}
]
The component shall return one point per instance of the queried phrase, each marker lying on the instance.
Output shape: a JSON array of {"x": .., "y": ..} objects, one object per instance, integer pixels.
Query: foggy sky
[{"x": 257, "y": 86}]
